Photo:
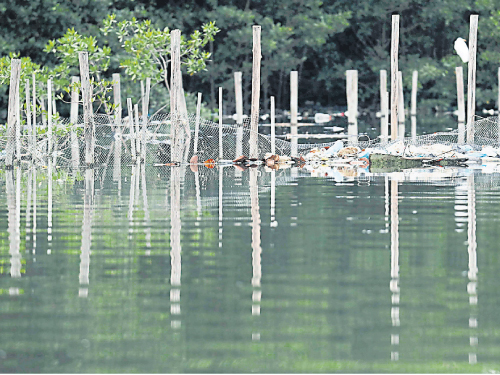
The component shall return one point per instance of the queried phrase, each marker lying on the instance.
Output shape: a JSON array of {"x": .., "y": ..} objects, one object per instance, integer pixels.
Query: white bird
[{"x": 462, "y": 49}]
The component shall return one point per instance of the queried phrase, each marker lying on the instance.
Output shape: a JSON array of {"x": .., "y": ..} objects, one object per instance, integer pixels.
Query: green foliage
[{"x": 148, "y": 48}]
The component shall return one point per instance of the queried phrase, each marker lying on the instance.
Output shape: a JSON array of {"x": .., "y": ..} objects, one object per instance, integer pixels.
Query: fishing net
[{"x": 127, "y": 140}]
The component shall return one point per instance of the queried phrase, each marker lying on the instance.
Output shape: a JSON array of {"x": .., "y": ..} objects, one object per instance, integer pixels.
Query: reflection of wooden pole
[
  {"x": 473, "y": 269},
  {"x": 471, "y": 81},
  {"x": 88, "y": 205},
  {"x": 131, "y": 200},
  {"x": 49, "y": 208},
  {"x": 254, "y": 117},
  {"x": 221, "y": 180},
  {"x": 384, "y": 119},
  {"x": 394, "y": 284},
  {"x": 147, "y": 224},
  {"x": 28, "y": 205},
  {"x": 15, "y": 256},
  {"x": 461, "y": 104},
  {"x": 256, "y": 248},
  {"x": 34, "y": 211},
  {"x": 394, "y": 76},
  {"x": 175, "y": 245}
]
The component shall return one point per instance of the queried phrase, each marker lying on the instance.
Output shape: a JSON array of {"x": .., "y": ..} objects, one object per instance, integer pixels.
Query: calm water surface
[{"x": 104, "y": 273}]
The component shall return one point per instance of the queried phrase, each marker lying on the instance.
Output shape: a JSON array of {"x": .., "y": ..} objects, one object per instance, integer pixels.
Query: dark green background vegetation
[{"x": 319, "y": 39}]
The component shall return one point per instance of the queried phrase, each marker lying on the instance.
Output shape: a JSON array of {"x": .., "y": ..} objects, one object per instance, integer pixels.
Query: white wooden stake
[
  {"x": 401, "y": 108},
  {"x": 28, "y": 116},
  {"x": 145, "y": 111},
  {"x": 137, "y": 131},
  {"x": 352, "y": 106},
  {"x": 273, "y": 126},
  {"x": 461, "y": 105},
  {"x": 394, "y": 76},
  {"x": 238, "y": 93},
  {"x": 75, "y": 148},
  {"x": 471, "y": 82},
  {"x": 131, "y": 128},
  {"x": 175, "y": 90},
  {"x": 33, "y": 132},
  {"x": 221, "y": 153},
  {"x": 18, "y": 125},
  {"x": 384, "y": 118},
  {"x": 254, "y": 120},
  {"x": 294, "y": 109},
  {"x": 414, "y": 87},
  {"x": 49, "y": 117},
  {"x": 88, "y": 112},
  {"x": 197, "y": 124}
]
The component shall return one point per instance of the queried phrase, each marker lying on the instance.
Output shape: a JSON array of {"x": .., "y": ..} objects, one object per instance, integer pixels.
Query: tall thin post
[
  {"x": 49, "y": 117},
  {"x": 461, "y": 104},
  {"x": 12, "y": 117},
  {"x": 471, "y": 82},
  {"x": 221, "y": 153},
  {"x": 384, "y": 119},
  {"x": 117, "y": 101},
  {"x": 352, "y": 105},
  {"x": 88, "y": 113},
  {"x": 75, "y": 148},
  {"x": 238, "y": 93},
  {"x": 294, "y": 109},
  {"x": 137, "y": 132},
  {"x": 401, "y": 108},
  {"x": 131, "y": 128},
  {"x": 18, "y": 125},
  {"x": 145, "y": 110},
  {"x": 254, "y": 120},
  {"x": 273, "y": 126},
  {"x": 33, "y": 132},
  {"x": 28, "y": 116},
  {"x": 414, "y": 87},
  {"x": 197, "y": 124},
  {"x": 394, "y": 76},
  {"x": 175, "y": 87},
  {"x": 498, "y": 105}
]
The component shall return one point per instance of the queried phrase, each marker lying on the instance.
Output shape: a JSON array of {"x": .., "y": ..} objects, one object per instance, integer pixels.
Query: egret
[{"x": 462, "y": 49}]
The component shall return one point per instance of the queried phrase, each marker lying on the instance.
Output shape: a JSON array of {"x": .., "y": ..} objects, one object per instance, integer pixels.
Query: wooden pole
[
  {"x": 384, "y": 123},
  {"x": 18, "y": 125},
  {"x": 498, "y": 105},
  {"x": 414, "y": 88},
  {"x": 12, "y": 120},
  {"x": 145, "y": 111},
  {"x": 294, "y": 109},
  {"x": 238, "y": 93},
  {"x": 197, "y": 124},
  {"x": 471, "y": 82},
  {"x": 273, "y": 126},
  {"x": 254, "y": 117},
  {"x": 28, "y": 116},
  {"x": 352, "y": 106},
  {"x": 394, "y": 76},
  {"x": 221, "y": 153},
  {"x": 175, "y": 78},
  {"x": 131, "y": 128},
  {"x": 49, "y": 116},
  {"x": 461, "y": 104},
  {"x": 137, "y": 132},
  {"x": 33, "y": 132},
  {"x": 117, "y": 101},
  {"x": 75, "y": 148},
  {"x": 401, "y": 108},
  {"x": 88, "y": 112}
]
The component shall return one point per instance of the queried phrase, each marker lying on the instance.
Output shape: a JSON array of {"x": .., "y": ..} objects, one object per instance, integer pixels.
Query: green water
[{"x": 342, "y": 277}]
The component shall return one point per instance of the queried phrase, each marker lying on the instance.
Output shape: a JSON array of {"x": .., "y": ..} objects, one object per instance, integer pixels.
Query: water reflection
[
  {"x": 256, "y": 248},
  {"x": 473, "y": 269},
  {"x": 327, "y": 265},
  {"x": 88, "y": 210},
  {"x": 175, "y": 247}
]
